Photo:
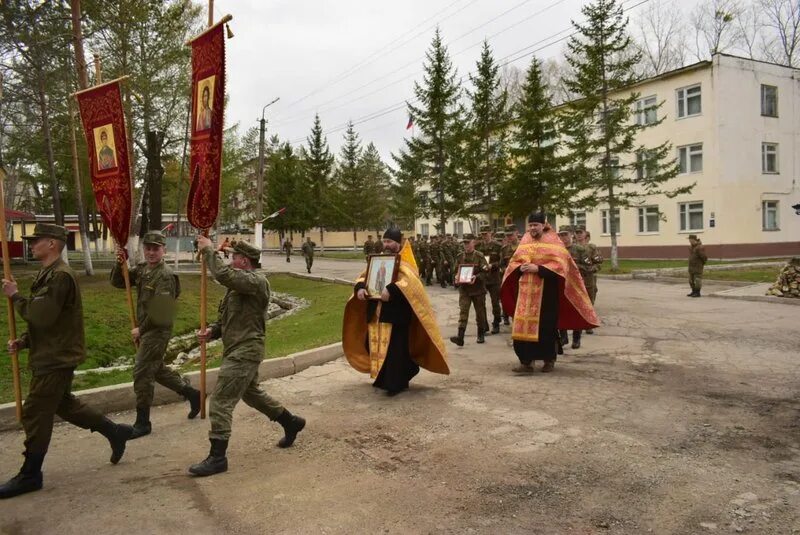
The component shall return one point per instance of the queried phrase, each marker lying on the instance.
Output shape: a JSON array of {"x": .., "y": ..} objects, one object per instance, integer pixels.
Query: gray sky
[{"x": 300, "y": 50}]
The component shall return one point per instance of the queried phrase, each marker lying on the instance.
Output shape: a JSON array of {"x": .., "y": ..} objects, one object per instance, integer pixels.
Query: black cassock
[
  {"x": 547, "y": 346},
  {"x": 398, "y": 367}
]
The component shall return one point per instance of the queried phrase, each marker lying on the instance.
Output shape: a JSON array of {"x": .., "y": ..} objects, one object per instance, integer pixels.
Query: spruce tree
[
  {"x": 486, "y": 132},
  {"x": 318, "y": 167},
  {"x": 404, "y": 205},
  {"x": 598, "y": 125},
  {"x": 351, "y": 199},
  {"x": 375, "y": 187},
  {"x": 538, "y": 179},
  {"x": 437, "y": 119}
]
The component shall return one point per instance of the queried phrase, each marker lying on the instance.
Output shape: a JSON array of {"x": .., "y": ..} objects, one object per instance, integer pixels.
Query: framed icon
[
  {"x": 381, "y": 271},
  {"x": 105, "y": 149},
  {"x": 464, "y": 273},
  {"x": 205, "y": 103}
]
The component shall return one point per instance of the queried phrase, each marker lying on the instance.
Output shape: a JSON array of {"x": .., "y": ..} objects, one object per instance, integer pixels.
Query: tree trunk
[
  {"x": 155, "y": 174},
  {"x": 48, "y": 143},
  {"x": 76, "y": 171},
  {"x": 321, "y": 240}
]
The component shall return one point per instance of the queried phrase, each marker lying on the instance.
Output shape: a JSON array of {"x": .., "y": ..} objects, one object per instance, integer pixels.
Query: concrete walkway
[{"x": 678, "y": 416}]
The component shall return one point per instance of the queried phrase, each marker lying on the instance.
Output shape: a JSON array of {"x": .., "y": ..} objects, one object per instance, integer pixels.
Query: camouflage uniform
[
  {"x": 425, "y": 260},
  {"x": 308, "y": 253},
  {"x": 56, "y": 346},
  {"x": 697, "y": 262},
  {"x": 157, "y": 288},
  {"x": 493, "y": 250},
  {"x": 368, "y": 246},
  {"x": 472, "y": 294},
  {"x": 437, "y": 262}
]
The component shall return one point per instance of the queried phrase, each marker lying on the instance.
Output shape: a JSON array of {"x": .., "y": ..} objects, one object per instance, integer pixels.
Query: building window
[
  {"x": 646, "y": 110},
  {"x": 458, "y": 228},
  {"x": 606, "y": 226},
  {"x": 769, "y": 215},
  {"x": 769, "y": 158},
  {"x": 648, "y": 219},
  {"x": 645, "y": 164},
  {"x": 689, "y": 102},
  {"x": 578, "y": 219},
  {"x": 691, "y": 215},
  {"x": 690, "y": 158},
  {"x": 424, "y": 229},
  {"x": 769, "y": 101}
]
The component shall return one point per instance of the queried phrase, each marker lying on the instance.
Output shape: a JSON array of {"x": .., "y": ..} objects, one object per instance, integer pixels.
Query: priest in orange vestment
[
  {"x": 543, "y": 291},
  {"x": 393, "y": 337}
]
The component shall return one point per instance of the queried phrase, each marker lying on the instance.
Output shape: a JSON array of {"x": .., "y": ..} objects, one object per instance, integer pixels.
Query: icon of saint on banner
[
  {"x": 203, "y": 114},
  {"x": 106, "y": 151}
]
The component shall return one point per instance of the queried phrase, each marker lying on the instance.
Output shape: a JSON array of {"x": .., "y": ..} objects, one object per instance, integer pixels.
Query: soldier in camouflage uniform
[
  {"x": 425, "y": 260},
  {"x": 449, "y": 258},
  {"x": 377, "y": 247},
  {"x": 55, "y": 340},
  {"x": 242, "y": 327},
  {"x": 437, "y": 260},
  {"x": 473, "y": 293},
  {"x": 492, "y": 249},
  {"x": 368, "y": 246},
  {"x": 581, "y": 258},
  {"x": 508, "y": 250},
  {"x": 308, "y": 252},
  {"x": 697, "y": 262},
  {"x": 582, "y": 236},
  {"x": 157, "y": 288}
]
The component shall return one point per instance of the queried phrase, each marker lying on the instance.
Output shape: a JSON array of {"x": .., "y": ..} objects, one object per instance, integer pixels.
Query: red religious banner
[
  {"x": 103, "y": 121},
  {"x": 208, "y": 94}
]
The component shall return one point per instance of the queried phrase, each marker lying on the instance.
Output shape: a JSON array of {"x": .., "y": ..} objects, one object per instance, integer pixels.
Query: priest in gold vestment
[
  {"x": 393, "y": 337},
  {"x": 543, "y": 291}
]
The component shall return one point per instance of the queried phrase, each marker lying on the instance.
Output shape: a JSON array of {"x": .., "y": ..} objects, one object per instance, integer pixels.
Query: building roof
[{"x": 19, "y": 216}]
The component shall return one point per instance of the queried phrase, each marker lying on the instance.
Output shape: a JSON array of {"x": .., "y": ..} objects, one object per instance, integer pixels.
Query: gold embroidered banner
[
  {"x": 208, "y": 98},
  {"x": 103, "y": 122}
]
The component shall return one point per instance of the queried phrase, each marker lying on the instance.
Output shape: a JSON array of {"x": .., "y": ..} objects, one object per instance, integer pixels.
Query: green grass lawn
[
  {"x": 107, "y": 324},
  {"x": 343, "y": 255},
  {"x": 626, "y": 265}
]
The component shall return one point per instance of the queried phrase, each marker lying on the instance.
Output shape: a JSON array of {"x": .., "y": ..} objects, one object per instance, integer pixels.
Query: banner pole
[
  {"x": 12, "y": 321},
  {"x": 129, "y": 294},
  {"x": 203, "y": 326}
]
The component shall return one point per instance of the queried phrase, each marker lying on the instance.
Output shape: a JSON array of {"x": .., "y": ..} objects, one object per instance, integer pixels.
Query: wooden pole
[
  {"x": 12, "y": 322},
  {"x": 203, "y": 326}
]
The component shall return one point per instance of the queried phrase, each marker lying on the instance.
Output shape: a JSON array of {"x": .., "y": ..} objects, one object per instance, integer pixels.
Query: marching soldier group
[{"x": 55, "y": 341}]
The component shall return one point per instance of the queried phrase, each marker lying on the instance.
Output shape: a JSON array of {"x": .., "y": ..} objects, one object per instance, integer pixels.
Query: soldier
[
  {"x": 472, "y": 293},
  {"x": 437, "y": 260},
  {"x": 55, "y": 340},
  {"x": 508, "y": 250},
  {"x": 697, "y": 261},
  {"x": 241, "y": 325},
  {"x": 287, "y": 246},
  {"x": 157, "y": 288},
  {"x": 583, "y": 238},
  {"x": 425, "y": 260},
  {"x": 368, "y": 246},
  {"x": 492, "y": 249},
  {"x": 579, "y": 255},
  {"x": 377, "y": 247},
  {"x": 308, "y": 252}
]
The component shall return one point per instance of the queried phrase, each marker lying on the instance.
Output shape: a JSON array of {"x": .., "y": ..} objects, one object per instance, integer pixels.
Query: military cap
[
  {"x": 48, "y": 230},
  {"x": 510, "y": 228},
  {"x": 485, "y": 228},
  {"x": 564, "y": 229},
  {"x": 500, "y": 234},
  {"x": 580, "y": 228},
  {"x": 245, "y": 249},
  {"x": 154, "y": 237},
  {"x": 468, "y": 237},
  {"x": 691, "y": 236}
]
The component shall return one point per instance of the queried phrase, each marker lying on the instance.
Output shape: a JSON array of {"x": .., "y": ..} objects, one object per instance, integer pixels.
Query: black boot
[
  {"x": 481, "y": 338},
  {"x": 496, "y": 325},
  {"x": 117, "y": 435},
  {"x": 193, "y": 397},
  {"x": 459, "y": 340},
  {"x": 215, "y": 463},
  {"x": 576, "y": 339},
  {"x": 291, "y": 426},
  {"x": 505, "y": 320},
  {"x": 696, "y": 293},
  {"x": 141, "y": 427},
  {"x": 29, "y": 478},
  {"x": 564, "y": 337}
]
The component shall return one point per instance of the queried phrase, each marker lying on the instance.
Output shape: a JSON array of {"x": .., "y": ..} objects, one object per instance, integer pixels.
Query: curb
[
  {"x": 756, "y": 298},
  {"x": 116, "y": 398}
]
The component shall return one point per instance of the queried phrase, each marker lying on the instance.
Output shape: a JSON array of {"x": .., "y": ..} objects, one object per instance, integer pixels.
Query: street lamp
[{"x": 259, "y": 233}]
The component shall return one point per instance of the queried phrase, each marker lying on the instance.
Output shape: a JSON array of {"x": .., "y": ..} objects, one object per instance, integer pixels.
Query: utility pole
[
  {"x": 83, "y": 83},
  {"x": 259, "y": 226}
]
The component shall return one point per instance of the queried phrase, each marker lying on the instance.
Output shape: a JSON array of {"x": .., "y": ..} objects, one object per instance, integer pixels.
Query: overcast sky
[{"x": 355, "y": 59}]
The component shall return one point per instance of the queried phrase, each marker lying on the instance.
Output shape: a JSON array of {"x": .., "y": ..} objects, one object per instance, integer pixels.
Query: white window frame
[
  {"x": 764, "y": 100},
  {"x": 425, "y": 229},
  {"x": 682, "y": 98},
  {"x": 578, "y": 218},
  {"x": 643, "y": 212},
  {"x": 458, "y": 228},
  {"x": 769, "y": 149},
  {"x": 768, "y": 207},
  {"x": 644, "y": 108},
  {"x": 605, "y": 224},
  {"x": 685, "y": 211},
  {"x": 685, "y": 154}
]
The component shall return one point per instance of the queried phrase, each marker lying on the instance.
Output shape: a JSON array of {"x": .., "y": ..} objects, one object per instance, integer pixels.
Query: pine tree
[
  {"x": 351, "y": 199},
  {"x": 599, "y": 131},
  {"x": 539, "y": 179},
  {"x": 283, "y": 186},
  {"x": 375, "y": 187},
  {"x": 318, "y": 167},
  {"x": 404, "y": 205},
  {"x": 486, "y": 135},
  {"x": 438, "y": 121}
]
